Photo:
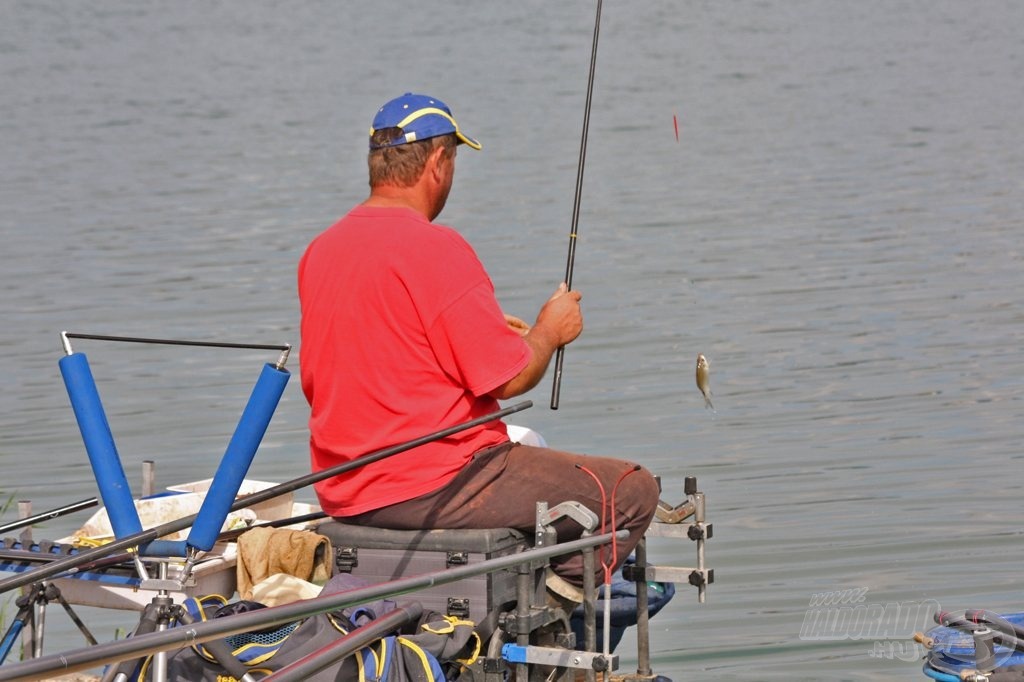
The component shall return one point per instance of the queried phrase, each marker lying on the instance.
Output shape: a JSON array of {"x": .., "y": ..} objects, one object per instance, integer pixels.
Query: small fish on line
[
  {"x": 704, "y": 379},
  {"x": 675, "y": 124}
]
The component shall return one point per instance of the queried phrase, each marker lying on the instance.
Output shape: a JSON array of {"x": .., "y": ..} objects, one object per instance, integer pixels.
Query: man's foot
[{"x": 560, "y": 586}]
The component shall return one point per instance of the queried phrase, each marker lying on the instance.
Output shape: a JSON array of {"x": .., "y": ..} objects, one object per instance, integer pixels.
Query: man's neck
[{"x": 388, "y": 196}]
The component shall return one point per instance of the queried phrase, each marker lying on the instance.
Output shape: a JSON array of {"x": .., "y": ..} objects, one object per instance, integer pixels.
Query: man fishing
[{"x": 401, "y": 335}]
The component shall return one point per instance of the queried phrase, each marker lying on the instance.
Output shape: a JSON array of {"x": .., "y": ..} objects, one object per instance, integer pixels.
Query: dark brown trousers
[{"x": 500, "y": 487}]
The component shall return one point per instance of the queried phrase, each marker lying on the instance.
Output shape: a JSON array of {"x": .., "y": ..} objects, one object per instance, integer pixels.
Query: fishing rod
[
  {"x": 146, "y": 536},
  {"x": 556, "y": 387},
  {"x": 201, "y": 632},
  {"x": 28, "y": 556},
  {"x": 47, "y": 515},
  {"x": 231, "y": 535}
]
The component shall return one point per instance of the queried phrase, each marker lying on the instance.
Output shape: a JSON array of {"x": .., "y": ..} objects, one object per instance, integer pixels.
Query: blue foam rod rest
[
  {"x": 164, "y": 548},
  {"x": 99, "y": 443},
  {"x": 237, "y": 458}
]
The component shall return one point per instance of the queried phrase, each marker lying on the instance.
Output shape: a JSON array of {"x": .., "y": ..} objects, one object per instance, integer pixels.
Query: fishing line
[{"x": 556, "y": 387}]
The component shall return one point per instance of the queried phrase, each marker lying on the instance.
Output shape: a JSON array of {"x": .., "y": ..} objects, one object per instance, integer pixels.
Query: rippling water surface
[{"x": 838, "y": 228}]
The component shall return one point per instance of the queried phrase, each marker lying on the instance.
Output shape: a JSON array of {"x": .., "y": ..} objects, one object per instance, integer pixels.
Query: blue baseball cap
[{"x": 420, "y": 117}]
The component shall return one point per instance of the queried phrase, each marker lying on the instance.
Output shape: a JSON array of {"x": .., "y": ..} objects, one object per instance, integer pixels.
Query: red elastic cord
[
  {"x": 615, "y": 542},
  {"x": 607, "y": 567}
]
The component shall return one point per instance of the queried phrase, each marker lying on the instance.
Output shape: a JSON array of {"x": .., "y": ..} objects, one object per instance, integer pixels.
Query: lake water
[{"x": 838, "y": 229}]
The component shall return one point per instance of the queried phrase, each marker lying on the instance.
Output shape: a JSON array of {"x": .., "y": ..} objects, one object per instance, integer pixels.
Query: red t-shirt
[{"x": 401, "y": 336}]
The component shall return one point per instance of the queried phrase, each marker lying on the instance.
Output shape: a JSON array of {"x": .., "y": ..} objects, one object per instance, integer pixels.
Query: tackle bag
[{"x": 433, "y": 648}]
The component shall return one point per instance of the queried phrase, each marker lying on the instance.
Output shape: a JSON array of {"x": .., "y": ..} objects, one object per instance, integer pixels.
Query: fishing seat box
[{"x": 380, "y": 555}]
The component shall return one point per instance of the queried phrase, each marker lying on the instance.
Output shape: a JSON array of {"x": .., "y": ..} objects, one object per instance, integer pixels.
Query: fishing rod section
[
  {"x": 285, "y": 348},
  {"x": 556, "y": 387},
  {"x": 48, "y": 515}
]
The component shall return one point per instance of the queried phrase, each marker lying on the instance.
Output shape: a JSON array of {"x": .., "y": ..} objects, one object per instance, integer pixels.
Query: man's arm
[{"x": 559, "y": 322}]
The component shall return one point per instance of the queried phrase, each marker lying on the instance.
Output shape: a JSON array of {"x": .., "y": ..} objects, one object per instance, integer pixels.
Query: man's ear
[{"x": 435, "y": 163}]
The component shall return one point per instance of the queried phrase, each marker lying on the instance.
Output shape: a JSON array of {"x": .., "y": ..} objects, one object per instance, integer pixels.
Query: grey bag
[{"x": 426, "y": 654}]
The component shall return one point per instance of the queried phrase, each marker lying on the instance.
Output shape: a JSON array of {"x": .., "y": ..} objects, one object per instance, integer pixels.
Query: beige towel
[
  {"x": 282, "y": 588},
  {"x": 262, "y": 552}
]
